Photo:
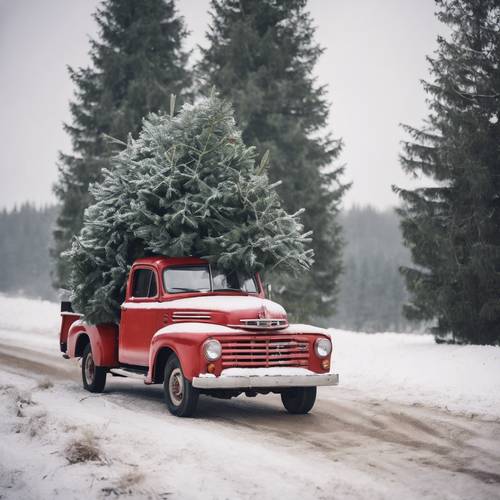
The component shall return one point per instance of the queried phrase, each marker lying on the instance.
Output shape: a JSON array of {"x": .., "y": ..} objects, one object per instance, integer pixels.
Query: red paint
[
  {"x": 141, "y": 335},
  {"x": 67, "y": 319},
  {"x": 138, "y": 326},
  {"x": 103, "y": 339}
]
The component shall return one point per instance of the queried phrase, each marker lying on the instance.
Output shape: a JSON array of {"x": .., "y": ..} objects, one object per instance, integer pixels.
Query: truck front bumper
[{"x": 263, "y": 381}]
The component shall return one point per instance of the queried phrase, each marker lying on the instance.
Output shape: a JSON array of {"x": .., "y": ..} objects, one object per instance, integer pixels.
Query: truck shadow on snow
[{"x": 151, "y": 399}]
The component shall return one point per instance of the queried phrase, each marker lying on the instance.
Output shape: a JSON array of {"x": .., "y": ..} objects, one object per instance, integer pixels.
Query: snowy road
[{"x": 353, "y": 445}]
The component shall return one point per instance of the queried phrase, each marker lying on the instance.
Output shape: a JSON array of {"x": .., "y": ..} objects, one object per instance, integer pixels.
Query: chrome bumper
[{"x": 259, "y": 381}]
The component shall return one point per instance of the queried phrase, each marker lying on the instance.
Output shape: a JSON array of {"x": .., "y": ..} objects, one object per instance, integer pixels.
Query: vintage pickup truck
[{"x": 200, "y": 331}]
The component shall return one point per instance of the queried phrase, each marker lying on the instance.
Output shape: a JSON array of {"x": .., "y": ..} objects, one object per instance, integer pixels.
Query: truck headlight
[
  {"x": 322, "y": 347},
  {"x": 212, "y": 350}
]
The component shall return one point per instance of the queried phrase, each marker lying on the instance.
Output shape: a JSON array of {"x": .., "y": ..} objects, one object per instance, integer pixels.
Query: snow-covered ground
[
  {"x": 414, "y": 369},
  {"x": 378, "y": 435},
  {"x": 143, "y": 455}
]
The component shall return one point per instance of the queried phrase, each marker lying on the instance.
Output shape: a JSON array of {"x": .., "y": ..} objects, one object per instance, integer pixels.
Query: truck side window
[
  {"x": 144, "y": 284},
  {"x": 249, "y": 285}
]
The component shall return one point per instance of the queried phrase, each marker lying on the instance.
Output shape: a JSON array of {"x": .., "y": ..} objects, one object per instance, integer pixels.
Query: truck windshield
[{"x": 181, "y": 279}]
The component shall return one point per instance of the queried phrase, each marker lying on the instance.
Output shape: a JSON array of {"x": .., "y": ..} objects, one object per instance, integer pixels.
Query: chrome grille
[
  {"x": 262, "y": 324},
  {"x": 264, "y": 351}
]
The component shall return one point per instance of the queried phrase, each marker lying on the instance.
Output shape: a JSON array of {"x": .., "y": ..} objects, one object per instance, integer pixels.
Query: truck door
[{"x": 140, "y": 317}]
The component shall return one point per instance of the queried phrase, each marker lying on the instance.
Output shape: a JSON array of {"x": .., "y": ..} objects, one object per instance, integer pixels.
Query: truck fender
[
  {"x": 186, "y": 349},
  {"x": 103, "y": 341}
]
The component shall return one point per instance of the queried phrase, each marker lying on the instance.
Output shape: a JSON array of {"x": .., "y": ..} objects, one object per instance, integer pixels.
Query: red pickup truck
[{"x": 200, "y": 331}]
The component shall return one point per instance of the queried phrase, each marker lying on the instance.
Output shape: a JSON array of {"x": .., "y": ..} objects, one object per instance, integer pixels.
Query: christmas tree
[
  {"x": 136, "y": 63},
  {"x": 187, "y": 186},
  {"x": 261, "y": 56},
  {"x": 453, "y": 227}
]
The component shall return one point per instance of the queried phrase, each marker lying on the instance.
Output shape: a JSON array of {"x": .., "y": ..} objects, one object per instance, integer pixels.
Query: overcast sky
[{"x": 374, "y": 59}]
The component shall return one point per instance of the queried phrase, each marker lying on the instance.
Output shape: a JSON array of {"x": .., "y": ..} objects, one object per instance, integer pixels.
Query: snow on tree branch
[{"x": 187, "y": 186}]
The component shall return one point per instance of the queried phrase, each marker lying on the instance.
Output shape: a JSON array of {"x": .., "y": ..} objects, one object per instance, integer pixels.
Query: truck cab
[{"x": 201, "y": 331}]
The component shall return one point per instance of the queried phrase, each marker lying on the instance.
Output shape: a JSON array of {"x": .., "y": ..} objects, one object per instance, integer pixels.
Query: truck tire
[
  {"x": 94, "y": 377},
  {"x": 181, "y": 397},
  {"x": 299, "y": 400}
]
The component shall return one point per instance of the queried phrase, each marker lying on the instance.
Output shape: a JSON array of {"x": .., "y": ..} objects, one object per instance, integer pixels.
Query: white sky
[{"x": 374, "y": 59}]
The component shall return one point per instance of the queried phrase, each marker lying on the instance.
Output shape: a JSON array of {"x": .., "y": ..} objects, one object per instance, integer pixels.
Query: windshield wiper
[{"x": 227, "y": 289}]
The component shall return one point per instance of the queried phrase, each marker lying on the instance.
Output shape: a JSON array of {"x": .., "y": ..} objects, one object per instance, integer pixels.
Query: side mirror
[{"x": 269, "y": 291}]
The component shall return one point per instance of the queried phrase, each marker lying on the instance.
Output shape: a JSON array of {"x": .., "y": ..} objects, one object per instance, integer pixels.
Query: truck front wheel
[
  {"x": 299, "y": 400},
  {"x": 180, "y": 395},
  {"x": 94, "y": 377}
]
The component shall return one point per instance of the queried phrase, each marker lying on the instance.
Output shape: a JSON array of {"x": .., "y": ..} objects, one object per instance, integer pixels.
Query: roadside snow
[
  {"x": 414, "y": 369},
  {"x": 28, "y": 315},
  {"x": 147, "y": 454},
  {"x": 33, "y": 324}
]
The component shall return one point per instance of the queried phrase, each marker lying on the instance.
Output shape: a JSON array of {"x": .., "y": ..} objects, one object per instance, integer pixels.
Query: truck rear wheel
[
  {"x": 94, "y": 377},
  {"x": 299, "y": 400},
  {"x": 181, "y": 397}
]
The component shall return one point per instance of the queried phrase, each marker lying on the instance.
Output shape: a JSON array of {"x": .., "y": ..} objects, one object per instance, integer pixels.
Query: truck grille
[
  {"x": 261, "y": 324},
  {"x": 264, "y": 351}
]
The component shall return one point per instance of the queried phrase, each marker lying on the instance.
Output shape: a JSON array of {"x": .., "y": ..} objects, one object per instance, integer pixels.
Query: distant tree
[
  {"x": 372, "y": 291},
  {"x": 261, "y": 55},
  {"x": 453, "y": 227},
  {"x": 25, "y": 235},
  {"x": 137, "y": 63}
]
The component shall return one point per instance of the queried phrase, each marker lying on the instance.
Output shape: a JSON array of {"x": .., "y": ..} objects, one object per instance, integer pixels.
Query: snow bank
[
  {"x": 414, "y": 369},
  {"x": 29, "y": 315},
  {"x": 29, "y": 323}
]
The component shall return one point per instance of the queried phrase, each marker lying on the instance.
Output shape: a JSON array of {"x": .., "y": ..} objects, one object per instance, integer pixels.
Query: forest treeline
[
  {"x": 372, "y": 291},
  {"x": 25, "y": 238}
]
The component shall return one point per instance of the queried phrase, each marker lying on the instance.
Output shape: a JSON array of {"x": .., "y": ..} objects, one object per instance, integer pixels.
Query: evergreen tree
[
  {"x": 187, "y": 186},
  {"x": 453, "y": 228},
  {"x": 261, "y": 56},
  {"x": 25, "y": 235},
  {"x": 372, "y": 291},
  {"x": 136, "y": 63}
]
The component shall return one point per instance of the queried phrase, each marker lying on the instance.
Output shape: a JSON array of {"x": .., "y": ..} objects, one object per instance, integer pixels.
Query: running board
[{"x": 120, "y": 372}]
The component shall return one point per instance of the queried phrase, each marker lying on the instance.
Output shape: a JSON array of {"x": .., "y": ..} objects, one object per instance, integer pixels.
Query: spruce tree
[
  {"x": 453, "y": 227},
  {"x": 137, "y": 61},
  {"x": 188, "y": 185},
  {"x": 261, "y": 56}
]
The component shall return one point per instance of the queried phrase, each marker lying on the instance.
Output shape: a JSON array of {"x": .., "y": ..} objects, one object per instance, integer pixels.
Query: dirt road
[{"x": 404, "y": 451}]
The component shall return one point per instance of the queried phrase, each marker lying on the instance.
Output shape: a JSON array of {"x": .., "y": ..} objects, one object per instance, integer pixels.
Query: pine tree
[
  {"x": 23, "y": 270},
  {"x": 453, "y": 227},
  {"x": 187, "y": 186},
  {"x": 136, "y": 63},
  {"x": 261, "y": 56}
]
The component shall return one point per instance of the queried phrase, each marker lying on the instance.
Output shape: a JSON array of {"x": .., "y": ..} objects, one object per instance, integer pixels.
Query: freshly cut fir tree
[
  {"x": 453, "y": 227},
  {"x": 136, "y": 63},
  {"x": 261, "y": 55},
  {"x": 187, "y": 186}
]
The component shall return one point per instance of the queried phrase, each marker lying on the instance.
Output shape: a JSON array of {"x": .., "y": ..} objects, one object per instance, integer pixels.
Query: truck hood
[{"x": 227, "y": 310}]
